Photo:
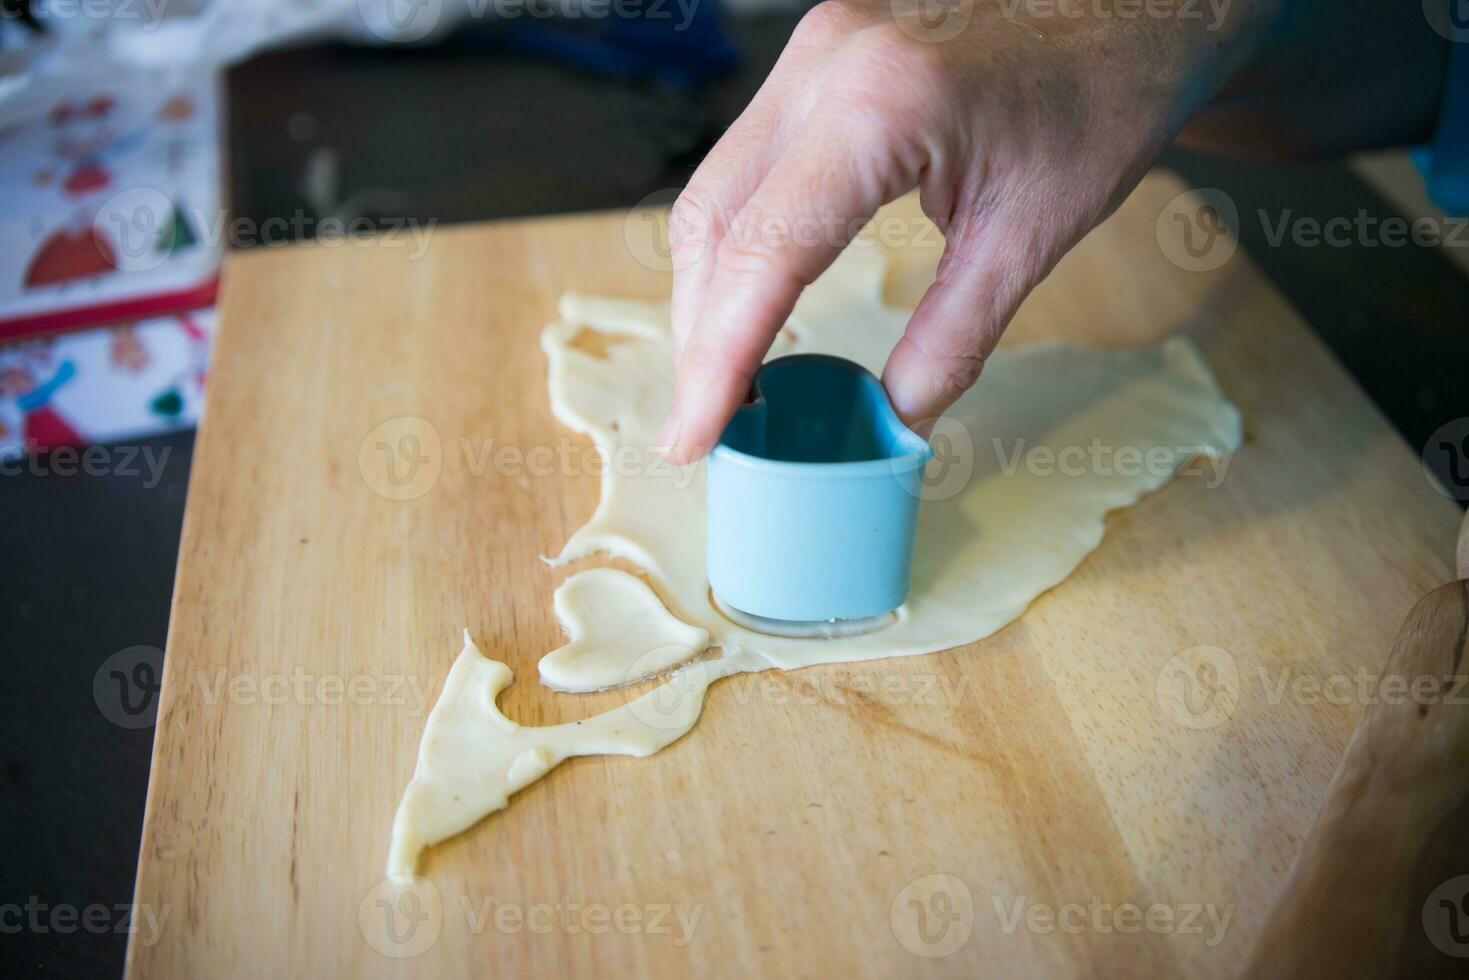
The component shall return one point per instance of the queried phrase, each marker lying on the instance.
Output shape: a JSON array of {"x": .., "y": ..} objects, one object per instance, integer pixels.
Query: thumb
[{"x": 985, "y": 272}]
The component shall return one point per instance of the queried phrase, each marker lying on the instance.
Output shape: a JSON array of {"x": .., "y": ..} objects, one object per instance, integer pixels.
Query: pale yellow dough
[
  {"x": 1057, "y": 437},
  {"x": 619, "y": 631}
]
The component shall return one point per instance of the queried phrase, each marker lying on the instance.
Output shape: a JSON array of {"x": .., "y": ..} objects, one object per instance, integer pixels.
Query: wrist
[{"x": 1170, "y": 62}]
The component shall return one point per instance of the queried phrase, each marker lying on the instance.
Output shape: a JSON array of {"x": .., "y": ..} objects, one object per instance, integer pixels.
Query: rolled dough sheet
[{"x": 1029, "y": 463}]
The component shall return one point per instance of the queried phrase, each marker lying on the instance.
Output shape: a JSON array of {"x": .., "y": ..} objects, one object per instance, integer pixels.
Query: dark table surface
[{"x": 464, "y": 132}]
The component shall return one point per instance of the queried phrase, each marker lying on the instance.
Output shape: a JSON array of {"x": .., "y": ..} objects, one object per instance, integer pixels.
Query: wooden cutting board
[{"x": 1086, "y": 759}]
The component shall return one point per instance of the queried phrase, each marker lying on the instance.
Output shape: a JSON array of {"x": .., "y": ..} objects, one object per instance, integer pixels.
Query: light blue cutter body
[{"x": 814, "y": 491}]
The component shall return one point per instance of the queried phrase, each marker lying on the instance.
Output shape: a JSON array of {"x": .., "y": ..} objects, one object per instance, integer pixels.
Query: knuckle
[
  {"x": 753, "y": 252},
  {"x": 690, "y": 222},
  {"x": 886, "y": 77},
  {"x": 955, "y": 373},
  {"x": 945, "y": 376},
  {"x": 898, "y": 63},
  {"x": 825, "y": 23}
]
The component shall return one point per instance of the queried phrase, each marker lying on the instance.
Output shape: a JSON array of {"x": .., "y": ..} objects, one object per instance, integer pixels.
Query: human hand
[{"x": 1022, "y": 132}]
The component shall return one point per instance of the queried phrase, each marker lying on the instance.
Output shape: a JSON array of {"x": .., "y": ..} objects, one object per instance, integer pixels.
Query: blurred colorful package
[
  {"x": 126, "y": 381},
  {"x": 112, "y": 214},
  {"x": 112, "y": 208},
  {"x": 113, "y": 224}
]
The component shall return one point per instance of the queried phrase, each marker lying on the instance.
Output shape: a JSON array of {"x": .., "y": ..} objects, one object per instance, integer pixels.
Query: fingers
[
  {"x": 718, "y": 189},
  {"x": 724, "y": 181},
  {"x": 987, "y": 269},
  {"x": 821, "y": 191}
]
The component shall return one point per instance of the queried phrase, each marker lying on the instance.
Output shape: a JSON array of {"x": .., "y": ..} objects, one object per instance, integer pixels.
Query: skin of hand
[{"x": 1022, "y": 132}]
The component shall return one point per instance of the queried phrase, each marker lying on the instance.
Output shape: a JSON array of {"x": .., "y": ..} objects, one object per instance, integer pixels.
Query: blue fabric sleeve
[{"x": 1445, "y": 161}]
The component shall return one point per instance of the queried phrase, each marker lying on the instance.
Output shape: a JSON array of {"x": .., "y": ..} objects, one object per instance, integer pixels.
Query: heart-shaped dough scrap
[{"x": 620, "y": 633}]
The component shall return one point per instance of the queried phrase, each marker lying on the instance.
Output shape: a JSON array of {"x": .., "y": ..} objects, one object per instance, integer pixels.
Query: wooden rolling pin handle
[
  {"x": 1464, "y": 548},
  {"x": 1370, "y": 894}
]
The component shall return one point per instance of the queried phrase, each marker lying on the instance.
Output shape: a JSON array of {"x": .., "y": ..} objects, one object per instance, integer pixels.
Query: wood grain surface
[
  {"x": 1381, "y": 885},
  {"x": 1146, "y": 745}
]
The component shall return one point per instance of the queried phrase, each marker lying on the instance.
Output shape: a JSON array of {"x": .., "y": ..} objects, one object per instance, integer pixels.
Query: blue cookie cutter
[{"x": 814, "y": 490}]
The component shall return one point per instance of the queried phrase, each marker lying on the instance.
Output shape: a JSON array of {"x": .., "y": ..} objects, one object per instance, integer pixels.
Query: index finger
[{"x": 822, "y": 190}]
